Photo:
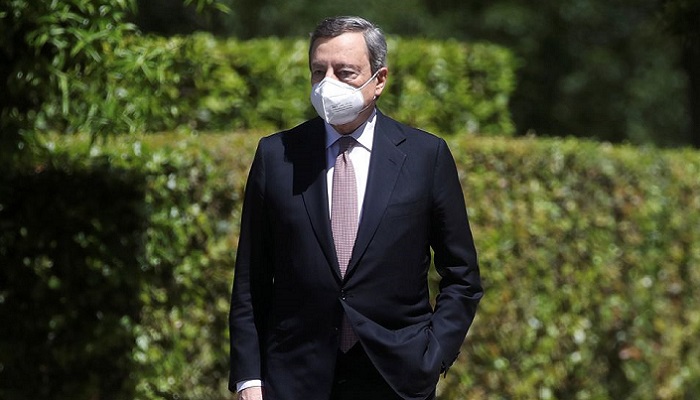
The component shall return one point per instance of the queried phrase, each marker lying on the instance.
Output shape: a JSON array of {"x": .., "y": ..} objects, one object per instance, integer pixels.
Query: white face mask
[{"x": 336, "y": 102}]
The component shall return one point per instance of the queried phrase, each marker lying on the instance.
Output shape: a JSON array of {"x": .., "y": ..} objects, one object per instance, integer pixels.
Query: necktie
[
  {"x": 344, "y": 222},
  {"x": 344, "y": 204}
]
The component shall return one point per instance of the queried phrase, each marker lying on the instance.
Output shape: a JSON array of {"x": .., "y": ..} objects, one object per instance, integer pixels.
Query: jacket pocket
[{"x": 402, "y": 209}]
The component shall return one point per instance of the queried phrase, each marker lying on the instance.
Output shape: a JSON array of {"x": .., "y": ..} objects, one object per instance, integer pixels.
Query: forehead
[{"x": 348, "y": 48}]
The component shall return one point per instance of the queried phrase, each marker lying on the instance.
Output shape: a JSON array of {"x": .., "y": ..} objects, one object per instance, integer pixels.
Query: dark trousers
[{"x": 357, "y": 378}]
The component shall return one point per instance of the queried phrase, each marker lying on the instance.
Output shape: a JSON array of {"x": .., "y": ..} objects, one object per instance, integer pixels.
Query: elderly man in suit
[{"x": 330, "y": 296}]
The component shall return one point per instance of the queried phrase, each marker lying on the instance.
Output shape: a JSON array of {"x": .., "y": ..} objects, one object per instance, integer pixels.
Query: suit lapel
[
  {"x": 309, "y": 162},
  {"x": 308, "y": 155},
  {"x": 385, "y": 164}
]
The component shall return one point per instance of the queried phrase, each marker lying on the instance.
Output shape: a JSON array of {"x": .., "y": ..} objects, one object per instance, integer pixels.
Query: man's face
[{"x": 346, "y": 59}]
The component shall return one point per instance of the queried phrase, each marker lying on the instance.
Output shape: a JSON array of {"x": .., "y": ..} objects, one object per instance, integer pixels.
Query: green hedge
[
  {"x": 70, "y": 239},
  {"x": 591, "y": 260},
  {"x": 206, "y": 83},
  {"x": 590, "y": 257},
  {"x": 115, "y": 269}
]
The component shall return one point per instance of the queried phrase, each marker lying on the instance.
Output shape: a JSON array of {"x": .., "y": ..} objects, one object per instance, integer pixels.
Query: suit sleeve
[
  {"x": 455, "y": 259},
  {"x": 252, "y": 281}
]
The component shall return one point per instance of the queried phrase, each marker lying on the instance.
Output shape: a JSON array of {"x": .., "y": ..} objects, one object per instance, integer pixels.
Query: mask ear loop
[
  {"x": 375, "y": 97},
  {"x": 371, "y": 78}
]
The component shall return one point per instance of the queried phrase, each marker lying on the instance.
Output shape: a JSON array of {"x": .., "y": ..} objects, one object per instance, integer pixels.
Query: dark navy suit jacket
[{"x": 288, "y": 296}]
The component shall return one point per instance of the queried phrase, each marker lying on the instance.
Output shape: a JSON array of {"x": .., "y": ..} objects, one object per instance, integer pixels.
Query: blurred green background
[{"x": 622, "y": 71}]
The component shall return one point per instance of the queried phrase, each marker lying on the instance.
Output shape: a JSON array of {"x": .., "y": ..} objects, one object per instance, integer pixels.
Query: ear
[{"x": 381, "y": 81}]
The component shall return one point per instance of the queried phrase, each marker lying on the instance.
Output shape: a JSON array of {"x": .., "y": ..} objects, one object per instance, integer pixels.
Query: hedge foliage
[
  {"x": 70, "y": 282},
  {"x": 119, "y": 258},
  {"x": 591, "y": 262},
  {"x": 115, "y": 267},
  {"x": 206, "y": 83}
]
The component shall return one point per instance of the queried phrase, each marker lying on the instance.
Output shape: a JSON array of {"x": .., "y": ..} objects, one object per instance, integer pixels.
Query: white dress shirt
[{"x": 359, "y": 156}]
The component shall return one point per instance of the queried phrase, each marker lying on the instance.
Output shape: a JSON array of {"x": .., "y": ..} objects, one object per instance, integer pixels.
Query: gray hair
[{"x": 374, "y": 37}]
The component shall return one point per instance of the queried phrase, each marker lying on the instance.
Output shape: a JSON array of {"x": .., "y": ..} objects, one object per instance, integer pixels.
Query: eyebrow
[{"x": 338, "y": 66}]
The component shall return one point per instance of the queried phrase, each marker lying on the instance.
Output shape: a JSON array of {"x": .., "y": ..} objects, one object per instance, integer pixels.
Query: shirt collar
[{"x": 364, "y": 134}]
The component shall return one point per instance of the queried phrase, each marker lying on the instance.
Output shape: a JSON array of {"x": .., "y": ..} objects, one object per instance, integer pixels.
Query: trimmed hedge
[
  {"x": 206, "y": 83},
  {"x": 589, "y": 254},
  {"x": 115, "y": 269},
  {"x": 70, "y": 282},
  {"x": 591, "y": 263}
]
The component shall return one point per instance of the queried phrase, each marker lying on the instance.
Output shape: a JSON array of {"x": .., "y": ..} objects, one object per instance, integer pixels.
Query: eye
[{"x": 346, "y": 75}]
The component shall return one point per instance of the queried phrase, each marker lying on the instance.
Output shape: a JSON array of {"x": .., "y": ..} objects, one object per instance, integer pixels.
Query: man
[{"x": 330, "y": 297}]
